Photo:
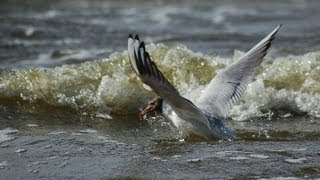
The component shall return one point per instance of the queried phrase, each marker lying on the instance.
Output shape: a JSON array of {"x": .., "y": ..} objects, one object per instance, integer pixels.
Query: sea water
[{"x": 69, "y": 99}]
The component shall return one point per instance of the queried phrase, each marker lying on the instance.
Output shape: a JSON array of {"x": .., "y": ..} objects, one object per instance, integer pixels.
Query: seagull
[{"x": 206, "y": 116}]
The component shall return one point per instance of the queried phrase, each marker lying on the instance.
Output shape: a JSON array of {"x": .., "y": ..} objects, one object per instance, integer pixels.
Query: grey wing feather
[
  {"x": 150, "y": 75},
  {"x": 227, "y": 87},
  {"x": 133, "y": 45}
]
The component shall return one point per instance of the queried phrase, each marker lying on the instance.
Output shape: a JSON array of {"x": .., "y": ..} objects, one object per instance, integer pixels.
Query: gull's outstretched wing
[
  {"x": 227, "y": 87},
  {"x": 154, "y": 80}
]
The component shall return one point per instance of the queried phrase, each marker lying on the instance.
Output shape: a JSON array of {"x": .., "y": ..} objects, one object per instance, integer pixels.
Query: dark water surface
[
  {"x": 50, "y": 33},
  {"x": 69, "y": 99}
]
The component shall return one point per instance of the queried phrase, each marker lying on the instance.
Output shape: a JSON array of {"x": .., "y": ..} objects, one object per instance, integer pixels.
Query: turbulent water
[
  {"x": 285, "y": 86},
  {"x": 69, "y": 99}
]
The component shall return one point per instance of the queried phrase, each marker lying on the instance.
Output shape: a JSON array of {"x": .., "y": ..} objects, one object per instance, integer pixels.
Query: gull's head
[{"x": 155, "y": 105}]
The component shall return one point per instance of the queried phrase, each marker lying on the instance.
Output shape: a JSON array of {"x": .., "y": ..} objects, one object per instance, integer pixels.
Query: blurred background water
[{"x": 50, "y": 33}]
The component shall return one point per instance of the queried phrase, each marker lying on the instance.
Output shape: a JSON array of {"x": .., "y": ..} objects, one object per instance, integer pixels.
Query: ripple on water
[
  {"x": 3, "y": 164},
  {"x": 239, "y": 158},
  {"x": 88, "y": 131},
  {"x": 57, "y": 132},
  {"x": 64, "y": 164},
  {"x": 280, "y": 178},
  {"x": 176, "y": 156},
  {"x": 296, "y": 161},
  {"x": 32, "y": 125},
  {"x": 229, "y": 153},
  {"x": 39, "y": 163},
  {"x": 156, "y": 158},
  {"x": 194, "y": 160},
  {"x": 4, "y": 146},
  {"x": 33, "y": 171},
  {"x": 5, "y": 134},
  {"x": 259, "y": 156},
  {"x": 21, "y": 151}
]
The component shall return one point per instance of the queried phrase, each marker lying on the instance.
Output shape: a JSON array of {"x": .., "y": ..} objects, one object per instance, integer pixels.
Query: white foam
[
  {"x": 259, "y": 156},
  {"x": 90, "y": 131},
  {"x": 6, "y": 135},
  {"x": 296, "y": 161},
  {"x": 288, "y": 84}
]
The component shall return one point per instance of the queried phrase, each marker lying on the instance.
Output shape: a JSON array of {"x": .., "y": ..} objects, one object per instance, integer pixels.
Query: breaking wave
[{"x": 284, "y": 86}]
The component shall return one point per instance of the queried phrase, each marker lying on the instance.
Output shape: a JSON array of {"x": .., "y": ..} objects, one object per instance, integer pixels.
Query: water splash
[{"x": 281, "y": 85}]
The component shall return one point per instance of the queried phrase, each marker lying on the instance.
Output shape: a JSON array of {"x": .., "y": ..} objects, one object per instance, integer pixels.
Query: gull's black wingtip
[
  {"x": 142, "y": 45},
  {"x": 137, "y": 37}
]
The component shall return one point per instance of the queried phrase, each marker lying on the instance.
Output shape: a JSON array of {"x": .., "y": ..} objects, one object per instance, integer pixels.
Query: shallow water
[
  {"x": 76, "y": 146},
  {"x": 69, "y": 99}
]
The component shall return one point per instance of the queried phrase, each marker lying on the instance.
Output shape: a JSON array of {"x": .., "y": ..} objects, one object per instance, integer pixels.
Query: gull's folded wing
[
  {"x": 227, "y": 87},
  {"x": 154, "y": 80}
]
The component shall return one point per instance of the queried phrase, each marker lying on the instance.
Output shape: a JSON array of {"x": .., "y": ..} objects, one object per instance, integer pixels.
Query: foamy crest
[
  {"x": 289, "y": 84},
  {"x": 281, "y": 85}
]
